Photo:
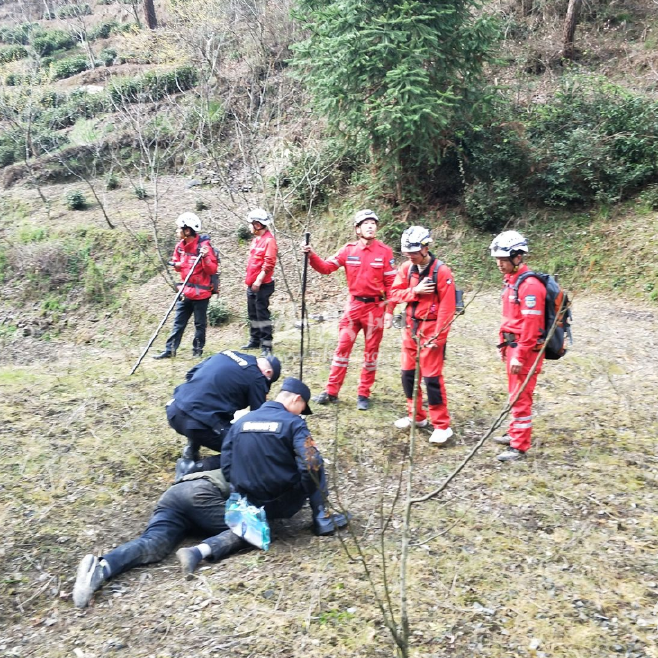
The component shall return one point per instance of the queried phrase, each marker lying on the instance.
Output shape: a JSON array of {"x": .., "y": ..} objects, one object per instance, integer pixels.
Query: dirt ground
[{"x": 553, "y": 556}]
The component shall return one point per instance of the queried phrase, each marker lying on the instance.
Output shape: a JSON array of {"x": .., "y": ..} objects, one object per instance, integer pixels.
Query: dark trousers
[
  {"x": 197, "y": 435},
  {"x": 185, "y": 308},
  {"x": 258, "y": 309},
  {"x": 192, "y": 507}
]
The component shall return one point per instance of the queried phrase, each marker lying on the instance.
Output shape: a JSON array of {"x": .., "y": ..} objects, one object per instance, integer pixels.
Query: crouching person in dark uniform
[
  {"x": 269, "y": 456},
  {"x": 203, "y": 406},
  {"x": 193, "y": 506}
]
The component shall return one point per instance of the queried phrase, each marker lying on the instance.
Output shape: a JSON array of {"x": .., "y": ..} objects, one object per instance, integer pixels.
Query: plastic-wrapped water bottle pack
[{"x": 247, "y": 521}]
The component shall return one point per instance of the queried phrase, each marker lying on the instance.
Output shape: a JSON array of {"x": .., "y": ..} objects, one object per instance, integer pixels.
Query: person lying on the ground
[
  {"x": 193, "y": 506},
  {"x": 196, "y": 505}
]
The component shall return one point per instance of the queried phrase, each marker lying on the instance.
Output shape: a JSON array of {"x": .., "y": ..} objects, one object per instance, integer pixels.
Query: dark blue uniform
[
  {"x": 203, "y": 406},
  {"x": 270, "y": 457}
]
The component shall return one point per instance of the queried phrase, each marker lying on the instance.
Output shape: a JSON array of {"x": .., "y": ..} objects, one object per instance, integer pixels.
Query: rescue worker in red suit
[
  {"x": 370, "y": 270},
  {"x": 427, "y": 286},
  {"x": 260, "y": 282},
  {"x": 196, "y": 294},
  {"x": 520, "y": 334}
]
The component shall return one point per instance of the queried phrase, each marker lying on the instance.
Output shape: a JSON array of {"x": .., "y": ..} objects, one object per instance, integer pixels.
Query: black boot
[
  {"x": 326, "y": 524},
  {"x": 191, "y": 451},
  {"x": 164, "y": 355},
  {"x": 185, "y": 467},
  {"x": 250, "y": 346}
]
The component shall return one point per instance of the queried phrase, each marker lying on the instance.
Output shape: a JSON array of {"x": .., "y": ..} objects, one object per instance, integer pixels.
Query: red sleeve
[
  {"x": 532, "y": 299},
  {"x": 327, "y": 266},
  {"x": 209, "y": 261},
  {"x": 269, "y": 259},
  {"x": 400, "y": 291},
  {"x": 445, "y": 286},
  {"x": 389, "y": 270}
]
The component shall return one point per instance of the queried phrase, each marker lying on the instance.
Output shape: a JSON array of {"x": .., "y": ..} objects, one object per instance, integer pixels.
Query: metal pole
[
  {"x": 157, "y": 331},
  {"x": 307, "y": 238}
]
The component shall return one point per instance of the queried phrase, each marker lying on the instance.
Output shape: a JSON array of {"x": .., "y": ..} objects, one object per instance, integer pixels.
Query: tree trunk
[
  {"x": 149, "y": 14},
  {"x": 570, "y": 22}
]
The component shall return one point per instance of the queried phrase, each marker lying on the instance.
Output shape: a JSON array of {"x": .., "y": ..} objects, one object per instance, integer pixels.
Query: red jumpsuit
[
  {"x": 428, "y": 316},
  {"x": 370, "y": 270},
  {"x": 525, "y": 319}
]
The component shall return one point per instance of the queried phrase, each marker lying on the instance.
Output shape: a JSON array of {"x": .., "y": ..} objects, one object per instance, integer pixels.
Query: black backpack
[
  {"x": 459, "y": 294},
  {"x": 557, "y": 311},
  {"x": 214, "y": 278}
]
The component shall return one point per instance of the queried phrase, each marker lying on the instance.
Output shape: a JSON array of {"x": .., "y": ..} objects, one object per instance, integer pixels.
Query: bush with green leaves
[
  {"x": 7, "y": 154},
  {"x": 243, "y": 233},
  {"x": 17, "y": 34},
  {"x": 74, "y": 11},
  {"x": 12, "y": 53},
  {"x": 107, "y": 56},
  {"x": 69, "y": 66},
  {"x": 219, "y": 312},
  {"x": 201, "y": 204},
  {"x": 395, "y": 77},
  {"x": 153, "y": 85},
  {"x": 75, "y": 200},
  {"x": 49, "y": 41},
  {"x": 103, "y": 30},
  {"x": 593, "y": 141},
  {"x": 112, "y": 182},
  {"x": 140, "y": 193}
]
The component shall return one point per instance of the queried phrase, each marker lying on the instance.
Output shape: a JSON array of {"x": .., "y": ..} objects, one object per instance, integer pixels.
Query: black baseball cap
[
  {"x": 276, "y": 368},
  {"x": 293, "y": 385}
]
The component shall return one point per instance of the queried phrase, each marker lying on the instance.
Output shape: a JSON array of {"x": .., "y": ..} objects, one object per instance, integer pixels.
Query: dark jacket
[
  {"x": 269, "y": 452},
  {"x": 221, "y": 385}
]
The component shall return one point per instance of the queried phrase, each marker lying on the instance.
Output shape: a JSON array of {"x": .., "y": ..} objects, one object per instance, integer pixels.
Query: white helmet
[
  {"x": 415, "y": 238},
  {"x": 259, "y": 215},
  {"x": 190, "y": 220},
  {"x": 362, "y": 215},
  {"x": 508, "y": 245}
]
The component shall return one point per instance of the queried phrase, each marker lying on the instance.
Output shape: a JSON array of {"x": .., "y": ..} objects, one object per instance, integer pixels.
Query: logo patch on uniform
[
  {"x": 260, "y": 426},
  {"x": 234, "y": 357},
  {"x": 530, "y": 301}
]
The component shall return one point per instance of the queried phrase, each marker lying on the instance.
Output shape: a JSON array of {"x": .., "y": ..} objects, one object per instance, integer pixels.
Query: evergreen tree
[{"x": 395, "y": 75}]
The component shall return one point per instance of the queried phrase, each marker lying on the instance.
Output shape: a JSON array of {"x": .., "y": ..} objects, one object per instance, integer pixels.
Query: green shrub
[
  {"x": 243, "y": 233},
  {"x": 489, "y": 206},
  {"x": 12, "y": 53},
  {"x": 75, "y": 200},
  {"x": 219, "y": 312},
  {"x": 27, "y": 234},
  {"x": 73, "y": 11},
  {"x": 94, "y": 283},
  {"x": 650, "y": 197},
  {"x": 65, "y": 68},
  {"x": 45, "y": 140},
  {"x": 200, "y": 204},
  {"x": 18, "y": 34},
  {"x": 102, "y": 30},
  {"x": 153, "y": 85},
  {"x": 112, "y": 182},
  {"x": 107, "y": 56},
  {"x": 140, "y": 193},
  {"x": 47, "y": 42},
  {"x": 7, "y": 155}
]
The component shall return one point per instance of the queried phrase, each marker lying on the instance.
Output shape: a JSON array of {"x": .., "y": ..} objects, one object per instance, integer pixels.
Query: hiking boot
[
  {"x": 89, "y": 579},
  {"x": 503, "y": 440},
  {"x": 197, "y": 352},
  {"x": 164, "y": 355},
  {"x": 441, "y": 437},
  {"x": 362, "y": 403},
  {"x": 325, "y": 524},
  {"x": 510, "y": 455},
  {"x": 405, "y": 423},
  {"x": 325, "y": 398},
  {"x": 189, "y": 559},
  {"x": 250, "y": 346},
  {"x": 266, "y": 352}
]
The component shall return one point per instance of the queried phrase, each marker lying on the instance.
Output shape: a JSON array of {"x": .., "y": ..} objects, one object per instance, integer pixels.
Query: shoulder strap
[
  {"x": 522, "y": 278},
  {"x": 202, "y": 238}
]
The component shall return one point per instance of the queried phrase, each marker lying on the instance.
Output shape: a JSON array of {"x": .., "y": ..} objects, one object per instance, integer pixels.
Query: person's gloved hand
[{"x": 515, "y": 366}]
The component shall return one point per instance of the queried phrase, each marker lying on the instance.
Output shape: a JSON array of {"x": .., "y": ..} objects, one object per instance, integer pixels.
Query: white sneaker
[
  {"x": 405, "y": 423},
  {"x": 440, "y": 436}
]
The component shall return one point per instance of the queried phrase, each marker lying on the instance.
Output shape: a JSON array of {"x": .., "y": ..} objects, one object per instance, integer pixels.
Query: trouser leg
[
  {"x": 408, "y": 359},
  {"x": 184, "y": 310},
  {"x": 431, "y": 365},
  {"x": 520, "y": 427},
  {"x": 348, "y": 328},
  {"x": 225, "y": 544},
  {"x": 252, "y": 313},
  {"x": 373, "y": 330},
  {"x": 264, "y": 317},
  {"x": 166, "y": 529},
  {"x": 200, "y": 322}
]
